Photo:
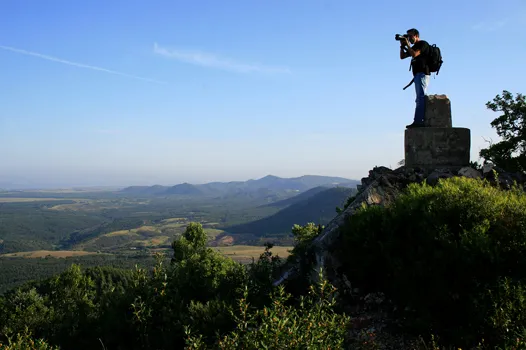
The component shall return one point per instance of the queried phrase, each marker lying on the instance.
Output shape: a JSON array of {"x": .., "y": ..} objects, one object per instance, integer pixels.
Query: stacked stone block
[{"x": 438, "y": 144}]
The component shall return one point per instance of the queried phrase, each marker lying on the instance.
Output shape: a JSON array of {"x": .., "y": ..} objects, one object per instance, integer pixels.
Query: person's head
[{"x": 414, "y": 35}]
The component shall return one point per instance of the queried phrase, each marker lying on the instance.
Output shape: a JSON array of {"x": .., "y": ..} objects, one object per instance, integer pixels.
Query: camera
[{"x": 400, "y": 36}]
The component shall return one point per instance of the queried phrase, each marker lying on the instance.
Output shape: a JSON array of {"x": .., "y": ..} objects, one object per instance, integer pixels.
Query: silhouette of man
[{"x": 418, "y": 53}]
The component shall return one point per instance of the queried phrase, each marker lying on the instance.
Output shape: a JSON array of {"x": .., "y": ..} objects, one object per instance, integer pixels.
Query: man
[{"x": 421, "y": 74}]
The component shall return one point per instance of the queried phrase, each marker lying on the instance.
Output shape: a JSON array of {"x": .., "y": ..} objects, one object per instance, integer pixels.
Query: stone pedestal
[
  {"x": 438, "y": 144},
  {"x": 438, "y": 112},
  {"x": 437, "y": 147}
]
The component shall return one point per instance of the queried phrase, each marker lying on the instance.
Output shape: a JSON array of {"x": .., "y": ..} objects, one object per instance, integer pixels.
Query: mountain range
[{"x": 265, "y": 186}]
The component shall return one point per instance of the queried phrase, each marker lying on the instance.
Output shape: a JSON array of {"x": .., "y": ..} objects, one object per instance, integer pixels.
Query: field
[
  {"x": 47, "y": 253},
  {"x": 245, "y": 253},
  {"x": 146, "y": 237},
  {"x": 239, "y": 253}
]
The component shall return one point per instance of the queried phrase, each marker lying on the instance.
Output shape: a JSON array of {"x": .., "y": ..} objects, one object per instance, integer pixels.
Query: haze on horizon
[{"x": 118, "y": 94}]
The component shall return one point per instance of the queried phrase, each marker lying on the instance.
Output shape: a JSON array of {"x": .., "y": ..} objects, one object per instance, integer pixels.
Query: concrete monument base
[
  {"x": 438, "y": 144},
  {"x": 437, "y": 147}
]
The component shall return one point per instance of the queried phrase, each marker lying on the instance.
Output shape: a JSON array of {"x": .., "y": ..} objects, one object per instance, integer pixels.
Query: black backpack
[{"x": 434, "y": 59}]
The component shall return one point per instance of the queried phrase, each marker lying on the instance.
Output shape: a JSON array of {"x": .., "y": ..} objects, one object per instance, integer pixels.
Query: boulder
[
  {"x": 470, "y": 172},
  {"x": 436, "y": 175}
]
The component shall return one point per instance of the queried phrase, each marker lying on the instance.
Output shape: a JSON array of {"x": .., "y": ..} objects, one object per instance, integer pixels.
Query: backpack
[{"x": 434, "y": 59}]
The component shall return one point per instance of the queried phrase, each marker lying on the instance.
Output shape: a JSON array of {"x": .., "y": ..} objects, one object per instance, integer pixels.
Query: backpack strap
[{"x": 411, "y": 82}]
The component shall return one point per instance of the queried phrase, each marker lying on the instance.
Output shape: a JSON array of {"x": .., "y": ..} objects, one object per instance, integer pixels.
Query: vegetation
[
  {"x": 15, "y": 272},
  {"x": 450, "y": 257},
  {"x": 197, "y": 290},
  {"x": 510, "y": 153}
]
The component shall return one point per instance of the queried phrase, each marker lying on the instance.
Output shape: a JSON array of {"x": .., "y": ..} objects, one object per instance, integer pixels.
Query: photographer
[{"x": 421, "y": 74}]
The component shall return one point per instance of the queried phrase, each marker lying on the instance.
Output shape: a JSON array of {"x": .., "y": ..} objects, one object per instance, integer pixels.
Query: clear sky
[{"x": 162, "y": 92}]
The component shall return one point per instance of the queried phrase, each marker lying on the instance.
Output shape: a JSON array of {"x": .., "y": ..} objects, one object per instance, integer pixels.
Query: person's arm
[
  {"x": 403, "y": 53},
  {"x": 413, "y": 52}
]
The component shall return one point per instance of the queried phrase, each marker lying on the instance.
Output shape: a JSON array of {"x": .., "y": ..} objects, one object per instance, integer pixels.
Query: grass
[
  {"x": 119, "y": 233},
  {"x": 212, "y": 232},
  {"x": 247, "y": 252},
  {"x": 239, "y": 253}
]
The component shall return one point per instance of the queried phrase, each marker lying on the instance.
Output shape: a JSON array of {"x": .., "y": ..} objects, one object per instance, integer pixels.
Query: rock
[
  {"x": 470, "y": 172},
  {"x": 433, "y": 178},
  {"x": 376, "y": 172},
  {"x": 437, "y": 112},
  {"x": 486, "y": 168}
]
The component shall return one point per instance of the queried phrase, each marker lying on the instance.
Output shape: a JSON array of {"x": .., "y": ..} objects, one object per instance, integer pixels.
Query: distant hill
[
  {"x": 145, "y": 190},
  {"x": 298, "y": 198},
  {"x": 319, "y": 208},
  {"x": 185, "y": 189},
  {"x": 269, "y": 186},
  {"x": 311, "y": 181}
]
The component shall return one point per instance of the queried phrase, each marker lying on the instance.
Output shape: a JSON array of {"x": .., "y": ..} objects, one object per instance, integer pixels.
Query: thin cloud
[
  {"x": 76, "y": 64},
  {"x": 213, "y": 61},
  {"x": 490, "y": 26}
]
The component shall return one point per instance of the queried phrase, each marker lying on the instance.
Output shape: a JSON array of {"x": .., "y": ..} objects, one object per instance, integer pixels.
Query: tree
[{"x": 510, "y": 153}]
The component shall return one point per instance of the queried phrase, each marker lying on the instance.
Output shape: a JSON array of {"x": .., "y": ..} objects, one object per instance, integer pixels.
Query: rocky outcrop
[{"x": 381, "y": 187}]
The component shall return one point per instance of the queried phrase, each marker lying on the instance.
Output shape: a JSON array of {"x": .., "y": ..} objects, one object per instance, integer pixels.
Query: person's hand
[{"x": 404, "y": 42}]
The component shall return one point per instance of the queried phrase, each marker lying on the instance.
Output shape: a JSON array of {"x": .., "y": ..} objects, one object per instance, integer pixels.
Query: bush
[
  {"x": 451, "y": 257},
  {"x": 310, "y": 323},
  {"x": 24, "y": 341}
]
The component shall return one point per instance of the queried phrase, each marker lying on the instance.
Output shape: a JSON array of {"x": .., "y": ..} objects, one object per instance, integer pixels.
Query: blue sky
[{"x": 144, "y": 92}]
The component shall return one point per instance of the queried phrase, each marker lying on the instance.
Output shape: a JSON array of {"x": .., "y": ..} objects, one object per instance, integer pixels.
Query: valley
[{"x": 124, "y": 227}]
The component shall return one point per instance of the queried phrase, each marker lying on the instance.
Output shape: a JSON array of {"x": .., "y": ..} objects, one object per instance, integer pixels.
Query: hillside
[
  {"x": 319, "y": 208},
  {"x": 184, "y": 189},
  {"x": 298, "y": 198}
]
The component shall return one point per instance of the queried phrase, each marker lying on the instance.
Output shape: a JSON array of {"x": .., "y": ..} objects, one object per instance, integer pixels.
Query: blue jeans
[{"x": 421, "y": 82}]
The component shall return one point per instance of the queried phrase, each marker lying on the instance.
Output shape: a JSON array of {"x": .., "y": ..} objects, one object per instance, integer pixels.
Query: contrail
[
  {"x": 75, "y": 64},
  {"x": 213, "y": 61}
]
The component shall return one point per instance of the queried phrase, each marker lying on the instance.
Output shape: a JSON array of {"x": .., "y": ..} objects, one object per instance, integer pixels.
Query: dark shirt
[{"x": 419, "y": 64}]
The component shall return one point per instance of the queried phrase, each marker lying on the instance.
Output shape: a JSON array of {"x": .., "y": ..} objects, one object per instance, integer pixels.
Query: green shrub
[
  {"x": 24, "y": 341},
  {"x": 452, "y": 257},
  {"x": 309, "y": 323}
]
